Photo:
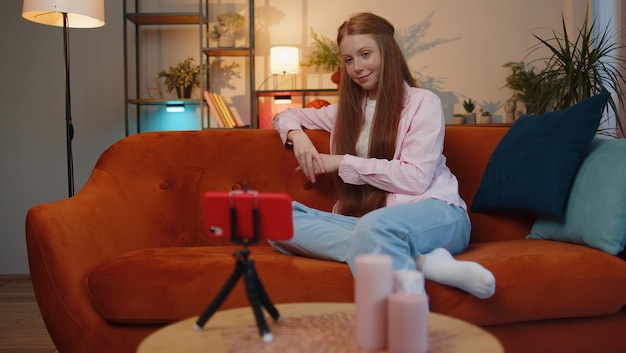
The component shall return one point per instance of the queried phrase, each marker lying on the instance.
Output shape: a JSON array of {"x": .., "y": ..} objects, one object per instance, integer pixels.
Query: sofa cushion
[
  {"x": 595, "y": 214},
  {"x": 536, "y": 280},
  {"x": 162, "y": 285},
  {"x": 533, "y": 166}
]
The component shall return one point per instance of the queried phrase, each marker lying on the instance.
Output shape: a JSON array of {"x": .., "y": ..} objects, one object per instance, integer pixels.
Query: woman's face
[{"x": 362, "y": 59}]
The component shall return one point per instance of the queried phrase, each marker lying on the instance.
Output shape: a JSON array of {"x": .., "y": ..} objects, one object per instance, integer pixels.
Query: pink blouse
[{"x": 418, "y": 170}]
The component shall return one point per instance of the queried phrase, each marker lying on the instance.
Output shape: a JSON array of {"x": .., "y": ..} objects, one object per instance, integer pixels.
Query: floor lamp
[{"x": 67, "y": 14}]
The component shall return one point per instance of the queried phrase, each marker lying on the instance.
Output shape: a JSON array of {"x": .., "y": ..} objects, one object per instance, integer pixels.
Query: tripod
[{"x": 254, "y": 288}]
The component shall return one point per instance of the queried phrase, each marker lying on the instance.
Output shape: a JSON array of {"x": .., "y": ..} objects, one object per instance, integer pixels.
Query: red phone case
[{"x": 274, "y": 215}]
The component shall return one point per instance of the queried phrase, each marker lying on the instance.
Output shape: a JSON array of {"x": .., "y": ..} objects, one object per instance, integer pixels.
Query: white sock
[{"x": 439, "y": 266}]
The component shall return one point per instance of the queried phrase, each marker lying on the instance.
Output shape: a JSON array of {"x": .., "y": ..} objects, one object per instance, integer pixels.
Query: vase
[
  {"x": 184, "y": 92},
  {"x": 470, "y": 118},
  {"x": 336, "y": 76},
  {"x": 484, "y": 119},
  {"x": 509, "y": 111},
  {"x": 458, "y": 120},
  {"x": 226, "y": 41},
  {"x": 520, "y": 109}
]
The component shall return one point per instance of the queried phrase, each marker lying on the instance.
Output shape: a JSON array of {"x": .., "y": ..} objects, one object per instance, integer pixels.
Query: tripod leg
[
  {"x": 265, "y": 299},
  {"x": 255, "y": 301},
  {"x": 219, "y": 299}
]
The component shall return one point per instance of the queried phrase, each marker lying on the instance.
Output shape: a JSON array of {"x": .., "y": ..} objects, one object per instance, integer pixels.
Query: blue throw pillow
[
  {"x": 595, "y": 214},
  {"x": 533, "y": 166}
]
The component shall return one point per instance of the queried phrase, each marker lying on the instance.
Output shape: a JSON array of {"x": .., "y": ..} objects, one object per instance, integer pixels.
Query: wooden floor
[{"x": 21, "y": 327}]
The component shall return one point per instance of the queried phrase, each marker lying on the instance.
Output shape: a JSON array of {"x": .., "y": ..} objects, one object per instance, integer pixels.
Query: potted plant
[
  {"x": 326, "y": 55},
  {"x": 228, "y": 24},
  {"x": 580, "y": 67},
  {"x": 469, "y": 105},
  {"x": 181, "y": 77},
  {"x": 485, "y": 117},
  {"x": 528, "y": 87},
  {"x": 458, "y": 118}
]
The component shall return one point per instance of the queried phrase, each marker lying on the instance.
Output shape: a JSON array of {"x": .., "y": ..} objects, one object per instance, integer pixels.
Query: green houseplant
[
  {"x": 469, "y": 105},
  {"x": 181, "y": 77},
  {"x": 458, "y": 118},
  {"x": 528, "y": 87},
  {"x": 228, "y": 24},
  {"x": 485, "y": 117},
  {"x": 326, "y": 55},
  {"x": 579, "y": 67}
]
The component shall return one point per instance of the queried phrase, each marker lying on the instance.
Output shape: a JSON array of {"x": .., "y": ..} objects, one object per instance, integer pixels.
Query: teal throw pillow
[
  {"x": 595, "y": 214},
  {"x": 533, "y": 166}
]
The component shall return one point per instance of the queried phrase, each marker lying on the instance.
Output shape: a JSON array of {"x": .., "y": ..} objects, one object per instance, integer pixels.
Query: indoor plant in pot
[
  {"x": 182, "y": 77},
  {"x": 228, "y": 24},
  {"x": 458, "y": 118},
  {"x": 528, "y": 88},
  {"x": 580, "y": 67},
  {"x": 326, "y": 55},
  {"x": 469, "y": 105},
  {"x": 485, "y": 117}
]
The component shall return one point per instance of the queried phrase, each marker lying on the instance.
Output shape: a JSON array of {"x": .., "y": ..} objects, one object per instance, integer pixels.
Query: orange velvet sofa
[{"x": 128, "y": 254}]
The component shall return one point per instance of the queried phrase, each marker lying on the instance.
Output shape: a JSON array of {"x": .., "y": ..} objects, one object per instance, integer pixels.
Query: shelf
[
  {"x": 483, "y": 125},
  {"x": 214, "y": 53},
  {"x": 139, "y": 40},
  {"x": 227, "y": 51},
  {"x": 297, "y": 92},
  {"x": 163, "y": 101},
  {"x": 267, "y": 107},
  {"x": 189, "y": 18}
]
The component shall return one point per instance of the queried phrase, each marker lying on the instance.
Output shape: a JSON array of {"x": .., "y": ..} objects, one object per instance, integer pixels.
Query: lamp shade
[
  {"x": 284, "y": 60},
  {"x": 80, "y": 13}
]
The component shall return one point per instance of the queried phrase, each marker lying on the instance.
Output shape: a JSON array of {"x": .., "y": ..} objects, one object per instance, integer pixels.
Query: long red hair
[{"x": 357, "y": 200}]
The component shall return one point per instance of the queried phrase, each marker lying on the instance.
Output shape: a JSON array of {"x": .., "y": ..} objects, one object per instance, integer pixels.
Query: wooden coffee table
[{"x": 304, "y": 327}]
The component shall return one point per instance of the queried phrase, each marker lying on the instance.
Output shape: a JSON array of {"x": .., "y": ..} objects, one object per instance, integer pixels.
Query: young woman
[{"x": 395, "y": 193}]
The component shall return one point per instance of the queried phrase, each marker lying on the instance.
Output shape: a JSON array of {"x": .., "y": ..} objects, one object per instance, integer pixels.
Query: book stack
[{"x": 221, "y": 111}]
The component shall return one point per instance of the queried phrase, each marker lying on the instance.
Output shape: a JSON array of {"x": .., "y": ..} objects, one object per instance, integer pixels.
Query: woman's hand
[{"x": 309, "y": 159}]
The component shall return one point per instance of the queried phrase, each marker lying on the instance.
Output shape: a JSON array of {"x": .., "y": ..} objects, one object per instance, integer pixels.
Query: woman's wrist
[{"x": 291, "y": 133}]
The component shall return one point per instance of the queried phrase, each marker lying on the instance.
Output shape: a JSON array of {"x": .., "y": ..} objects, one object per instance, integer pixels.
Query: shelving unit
[
  {"x": 246, "y": 52},
  {"x": 305, "y": 94},
  {"x": 144, "y": 97},
  {"x": 140, "y": 103},
  {"x": 300, "y": 98}
]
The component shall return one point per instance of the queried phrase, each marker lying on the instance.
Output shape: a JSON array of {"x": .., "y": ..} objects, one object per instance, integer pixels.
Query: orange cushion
[
  {"x": 535, "y": 280},
  {"x": 161, "y": 285}
]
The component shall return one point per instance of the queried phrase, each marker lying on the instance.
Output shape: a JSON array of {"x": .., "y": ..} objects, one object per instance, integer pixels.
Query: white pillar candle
[
  {"x": 373, "y": 285},
  {"x": 408, "y": 323},
  {"x": 408, "y": 281}
]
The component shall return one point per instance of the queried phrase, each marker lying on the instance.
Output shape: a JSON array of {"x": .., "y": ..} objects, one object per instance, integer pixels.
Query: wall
[
  {"x": 32, "y": 114},
  {"x": 460, "y": 47},
  {"x": 486, "y": 33},
  {"x": 471, "y": 40}
]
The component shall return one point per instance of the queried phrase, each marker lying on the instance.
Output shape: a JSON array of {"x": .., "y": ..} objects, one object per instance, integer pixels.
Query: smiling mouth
[{"x": 363, "y": 78}]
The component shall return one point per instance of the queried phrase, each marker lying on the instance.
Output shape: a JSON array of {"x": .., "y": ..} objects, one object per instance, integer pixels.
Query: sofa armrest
[{"x": 67, "y": 239}]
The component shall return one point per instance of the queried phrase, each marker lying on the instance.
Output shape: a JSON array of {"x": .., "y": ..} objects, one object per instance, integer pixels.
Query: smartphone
[{"x": 248, "y": 216}]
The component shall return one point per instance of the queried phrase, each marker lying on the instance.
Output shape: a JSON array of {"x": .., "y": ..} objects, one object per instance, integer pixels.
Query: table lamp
[
  {"x": 283, "y": 61},
  {"x": 67, "y": 14}
]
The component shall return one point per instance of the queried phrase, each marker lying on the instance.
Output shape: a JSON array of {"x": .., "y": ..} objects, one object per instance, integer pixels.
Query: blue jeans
[{"x": 401, "y": 231}]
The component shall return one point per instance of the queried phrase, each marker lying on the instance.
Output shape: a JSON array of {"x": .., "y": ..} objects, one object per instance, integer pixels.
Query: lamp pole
[{"x": 69, "y": 127}]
